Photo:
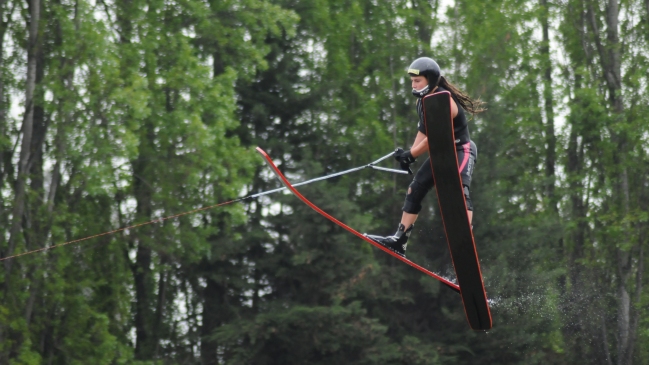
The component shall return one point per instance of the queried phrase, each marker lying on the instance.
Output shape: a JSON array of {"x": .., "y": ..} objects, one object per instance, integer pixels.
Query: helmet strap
[{"x": 421, "y": 92}]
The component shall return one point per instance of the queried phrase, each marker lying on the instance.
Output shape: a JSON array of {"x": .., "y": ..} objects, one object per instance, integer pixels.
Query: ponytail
[{"x": 468, "y": 104}]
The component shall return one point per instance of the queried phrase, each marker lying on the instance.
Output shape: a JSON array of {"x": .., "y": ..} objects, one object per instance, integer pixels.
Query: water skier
[{"x": 426, "y": 78}]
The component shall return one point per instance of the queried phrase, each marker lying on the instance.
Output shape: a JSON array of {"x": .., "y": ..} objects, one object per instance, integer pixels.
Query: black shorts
[
  {"x": 423, "y": 181},
  {"x": 467, "y": 155}
]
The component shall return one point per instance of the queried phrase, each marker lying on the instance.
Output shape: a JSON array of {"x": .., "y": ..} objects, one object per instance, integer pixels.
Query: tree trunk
[
  {"x": 605, "y": 346},
  {"x": 572, "y": 329},
  {"x": 143, "y": 193},
  {"x": 160, "y": 307},
  {"x": 610, "y": 55},
  {"x": 27, "y": 129},
  {"x": 6, "y": 168},
  {"x": 638, "y": 298},
  {"x": 214, "y": 315},
  {"x": 56, "y": 170},
  {"x": 550, "y": 137},
  {"x": 33, "y": 45},
  {"x": 142, "y": 277},
  {"x": 142, "y": 266},
  {"x": 37, "y": 234},
  {"x": 646, "y": 3}
]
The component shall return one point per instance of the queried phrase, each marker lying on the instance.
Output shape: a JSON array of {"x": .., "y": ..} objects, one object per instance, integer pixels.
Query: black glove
[{"x": 405, "y": 158}]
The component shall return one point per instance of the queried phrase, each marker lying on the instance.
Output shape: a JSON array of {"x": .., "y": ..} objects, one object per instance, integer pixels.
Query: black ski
[{"x": 443, "y": 157}]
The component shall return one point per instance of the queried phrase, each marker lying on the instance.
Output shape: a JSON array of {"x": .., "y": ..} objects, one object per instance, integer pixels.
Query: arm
[
  {"x": 453, "y": 109},
  {"x": 420, "y": 146}
]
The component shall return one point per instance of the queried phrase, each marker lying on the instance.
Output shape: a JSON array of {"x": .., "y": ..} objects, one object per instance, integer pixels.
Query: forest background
[{"x": 114, "y": 113}]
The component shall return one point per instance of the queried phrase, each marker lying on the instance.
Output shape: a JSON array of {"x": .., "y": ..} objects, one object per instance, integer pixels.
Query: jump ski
[
  {"x": 289, "y": 186},
  {"x": 452, "y": 206}
]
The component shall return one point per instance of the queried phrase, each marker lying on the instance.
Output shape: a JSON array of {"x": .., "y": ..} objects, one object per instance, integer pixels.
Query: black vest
[{"x": 460, "y": 125}]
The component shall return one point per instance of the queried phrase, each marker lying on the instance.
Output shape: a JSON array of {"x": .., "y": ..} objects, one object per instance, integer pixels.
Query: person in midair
[{"x": 426, "y": 78}]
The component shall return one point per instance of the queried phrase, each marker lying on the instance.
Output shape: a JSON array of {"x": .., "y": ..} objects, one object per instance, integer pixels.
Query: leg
[
  {"x": 421, "y": 184},
  {"x": 424, "y": 182},
  {"x": 469, "y": 203},
  {"x": 466, "y": 173},
  {"x": 408, "y": 219}
]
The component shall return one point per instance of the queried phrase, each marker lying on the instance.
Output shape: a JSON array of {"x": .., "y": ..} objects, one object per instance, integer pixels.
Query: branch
[{"x": 600, "y": 47}]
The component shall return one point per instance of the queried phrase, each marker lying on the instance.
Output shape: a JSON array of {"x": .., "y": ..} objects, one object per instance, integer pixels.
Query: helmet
[{"x": 428, "y": 68}]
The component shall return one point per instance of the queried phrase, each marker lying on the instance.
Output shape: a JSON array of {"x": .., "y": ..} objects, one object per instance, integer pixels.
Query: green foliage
[
  {"x": 147, "y": 108},
  {"x": 314, "y": 335}
]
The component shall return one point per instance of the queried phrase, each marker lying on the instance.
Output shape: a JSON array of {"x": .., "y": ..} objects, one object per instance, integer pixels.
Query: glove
[{"x": 405, "y": 158}]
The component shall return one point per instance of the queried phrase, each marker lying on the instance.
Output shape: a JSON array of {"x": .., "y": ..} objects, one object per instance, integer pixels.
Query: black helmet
[{"x": 428, "y": 68}]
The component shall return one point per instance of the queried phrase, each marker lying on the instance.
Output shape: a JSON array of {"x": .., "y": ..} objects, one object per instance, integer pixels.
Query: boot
[{"x": 397, "y": 242}]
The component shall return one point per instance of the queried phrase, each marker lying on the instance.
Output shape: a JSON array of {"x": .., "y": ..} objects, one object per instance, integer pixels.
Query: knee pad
[
  {"x": 467, "y": 197},
  {"x": 416, "y": 194}
]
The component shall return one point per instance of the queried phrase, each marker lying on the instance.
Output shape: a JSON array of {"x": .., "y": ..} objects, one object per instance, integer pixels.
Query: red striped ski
[{"x": 288, "y": 185}]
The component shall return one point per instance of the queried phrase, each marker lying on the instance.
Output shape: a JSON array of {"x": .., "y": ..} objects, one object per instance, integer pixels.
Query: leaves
[{"x": 150, "y": 108}]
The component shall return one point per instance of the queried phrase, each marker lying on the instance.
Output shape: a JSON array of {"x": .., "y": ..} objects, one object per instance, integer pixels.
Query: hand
[{"x": 405, "y": 158}]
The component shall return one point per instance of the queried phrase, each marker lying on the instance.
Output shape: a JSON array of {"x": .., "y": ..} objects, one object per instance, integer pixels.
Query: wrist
[{"x": 409, "y": 157}]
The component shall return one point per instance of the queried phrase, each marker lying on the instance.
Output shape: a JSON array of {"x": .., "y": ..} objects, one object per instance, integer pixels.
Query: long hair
[{"x": 468, "y": 104}]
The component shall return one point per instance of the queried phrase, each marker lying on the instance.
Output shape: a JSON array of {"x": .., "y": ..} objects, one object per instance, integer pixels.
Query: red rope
[{"x": 120, "y": 229}]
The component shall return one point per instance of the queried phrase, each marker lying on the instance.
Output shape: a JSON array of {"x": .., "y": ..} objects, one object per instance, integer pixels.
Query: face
[{"x": 418, "y": 82}]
